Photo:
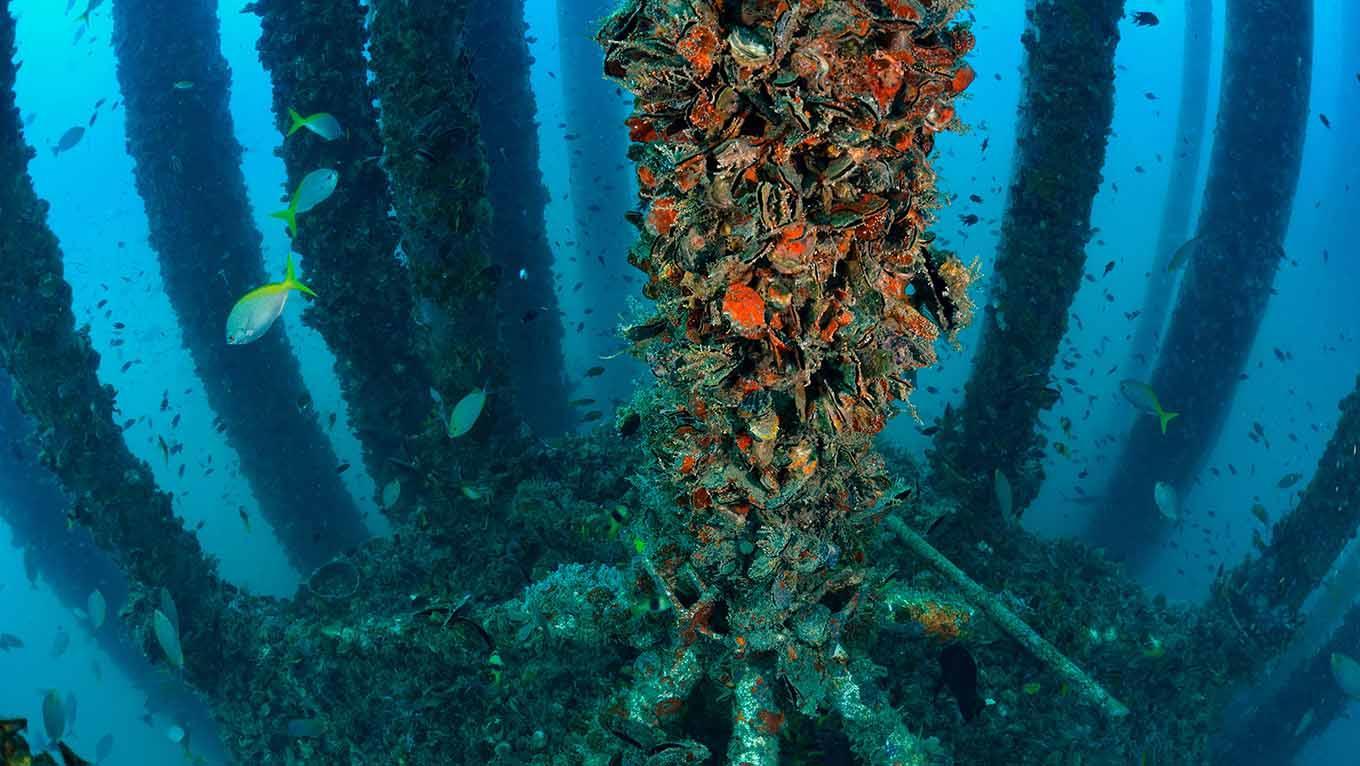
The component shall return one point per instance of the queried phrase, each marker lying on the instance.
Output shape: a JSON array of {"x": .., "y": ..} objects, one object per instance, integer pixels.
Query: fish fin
[
  {"x": 289, "y": 217},
  {"x": 290, "y": 279},
  {"x": 1166, "y": 417},
  {"x": 298, "y": 121}
]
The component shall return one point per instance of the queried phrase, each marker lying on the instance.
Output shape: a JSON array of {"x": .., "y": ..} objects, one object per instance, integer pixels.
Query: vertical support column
[
  {"x": 433, "y": 155},
  {"x": 783, "y": 152},
  {"x": 600, "y": 190},
  {"x": 1258, "y": 151},
  {"x": 1064, "y": 121},
  {"x": 531, "y": 326},
  {"x": 188, "y": 171},
  {"x": 1185, "y": 164},
  {"x": 314, "y": 51},
  {"x": 54, "y": 368}
]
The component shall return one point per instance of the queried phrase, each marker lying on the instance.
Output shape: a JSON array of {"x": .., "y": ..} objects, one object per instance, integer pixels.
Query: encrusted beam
[
  {"x": 1305, "y": 544},
  {"x": 365, "y": 309},
  {"x": 1253, "y": 171},
  {"x": 188, "y": 173},
  {"x": 782, "y": 154},
  {"x": 1064, "y": 121},
  {"x": 531, "y": 325},
  {"x": 113, "y": 494},
  {"x": 438, "y": 174},
  {"x": 1008, "y": 621},
  {"x": 67, "y": 560},
  {"x": 1304, "y": 707}
]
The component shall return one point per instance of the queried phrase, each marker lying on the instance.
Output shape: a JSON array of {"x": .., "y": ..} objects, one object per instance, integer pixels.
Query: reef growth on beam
[
  {"x": 111, "y": 492},
  {"x": 365, "y": 305},
  {"x": 1064, "y": 120},
  {"x": 188, "y": 173},
  {"x": 506, "y": 110},
  {"x": 782, "y": 158}
]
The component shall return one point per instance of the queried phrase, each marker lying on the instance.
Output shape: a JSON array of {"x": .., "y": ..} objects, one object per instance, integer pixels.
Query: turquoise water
[{"x": 96, "y": 213}]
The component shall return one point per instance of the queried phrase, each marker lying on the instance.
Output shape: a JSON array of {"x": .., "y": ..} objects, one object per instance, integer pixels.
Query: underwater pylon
[{"x": 782, "y": 158}]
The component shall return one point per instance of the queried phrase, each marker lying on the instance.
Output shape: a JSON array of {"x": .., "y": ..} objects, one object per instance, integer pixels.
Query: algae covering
[
  {"x": 112, "y": 493},
  {"x": 365, "y": 307},
  {"x": 438, "y": 175},
  {"x": 1064, "y": 121},
  {"x": 183, "y": 145}
]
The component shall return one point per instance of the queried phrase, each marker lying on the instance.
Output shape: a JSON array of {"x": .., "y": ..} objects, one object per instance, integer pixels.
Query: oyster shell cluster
[{"x": 782, "y": 159}]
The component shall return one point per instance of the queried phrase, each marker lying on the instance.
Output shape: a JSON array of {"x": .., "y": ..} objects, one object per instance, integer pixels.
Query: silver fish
[
  {"x": 1168, "y": 501},
  {"x": 54, "y": 715}
]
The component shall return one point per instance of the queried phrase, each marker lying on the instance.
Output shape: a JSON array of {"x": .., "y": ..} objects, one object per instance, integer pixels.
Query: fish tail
[
  {"x": 298, "y": 121},
  {"x": 289, "y": 216},
  {"x": 1166, "y": 417},
  {"x": 290, "y": 279}
]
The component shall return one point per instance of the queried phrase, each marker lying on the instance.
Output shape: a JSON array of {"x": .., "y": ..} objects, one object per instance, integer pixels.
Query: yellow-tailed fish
[
  {"x": 168, "y": 637},
  {"x": 316, "y": 187},
  {"x": 322, "y": 123},
  {"x": 255, "y": 312},
  {"x": 466, "y": 412},
  {"x": 84, "y": 18},
  {"x": 1184, "y": 253},
  {"x": 1142, "y": 396}
]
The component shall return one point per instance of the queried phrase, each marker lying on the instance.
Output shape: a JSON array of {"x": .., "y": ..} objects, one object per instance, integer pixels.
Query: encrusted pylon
[{"x": 782, "y": 158}]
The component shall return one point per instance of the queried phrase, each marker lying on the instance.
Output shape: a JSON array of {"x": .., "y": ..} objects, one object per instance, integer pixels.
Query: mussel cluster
[{"x": 782, "y": 157}]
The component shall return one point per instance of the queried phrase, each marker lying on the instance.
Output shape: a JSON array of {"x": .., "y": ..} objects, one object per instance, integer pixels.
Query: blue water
[{"x": 98, "y": 217}]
